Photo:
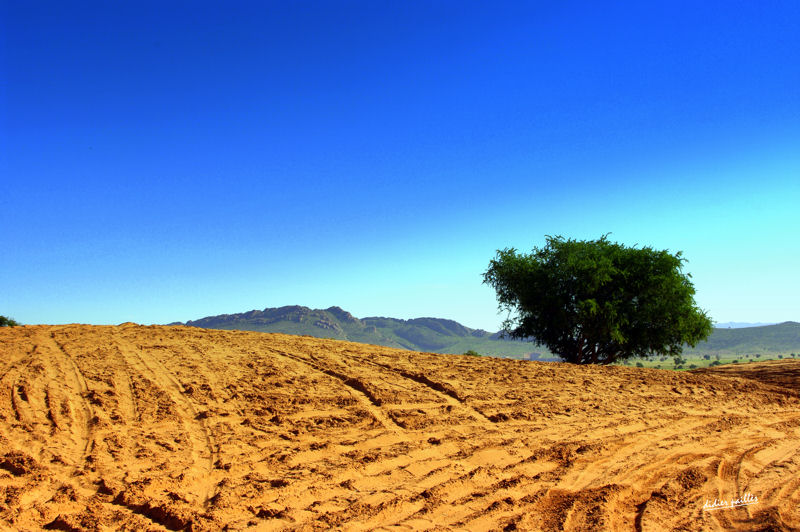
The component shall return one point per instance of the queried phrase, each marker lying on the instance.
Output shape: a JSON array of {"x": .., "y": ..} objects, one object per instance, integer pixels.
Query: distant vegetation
[
  {"x": 775, "y": 342},
  {"x": 769, "y": 340},
  {"x": 597, "y": 301},
  {"x": 8, "y": 322}
]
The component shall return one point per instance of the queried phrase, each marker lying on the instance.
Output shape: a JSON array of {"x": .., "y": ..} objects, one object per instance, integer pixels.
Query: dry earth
[{"x": 153, "y": 428}]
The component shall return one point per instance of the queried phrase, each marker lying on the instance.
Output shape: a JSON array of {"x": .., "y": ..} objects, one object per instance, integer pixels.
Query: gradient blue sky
[{"x": 166, "y": 161}]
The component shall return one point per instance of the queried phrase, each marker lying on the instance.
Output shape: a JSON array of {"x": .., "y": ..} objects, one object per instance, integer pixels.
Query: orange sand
[{"x": 153, "y": 428}]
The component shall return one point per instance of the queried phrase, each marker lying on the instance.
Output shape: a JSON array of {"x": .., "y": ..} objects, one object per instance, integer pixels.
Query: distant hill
[
  {"x": 739, "y": 324},
  {"x": 782, "y": 338},
  {"x": 439, "y": 335},
  {"x": 434, "y": 335}
]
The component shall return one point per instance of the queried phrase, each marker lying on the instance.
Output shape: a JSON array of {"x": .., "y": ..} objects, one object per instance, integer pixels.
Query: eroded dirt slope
[{"x": 137, "y": 428}]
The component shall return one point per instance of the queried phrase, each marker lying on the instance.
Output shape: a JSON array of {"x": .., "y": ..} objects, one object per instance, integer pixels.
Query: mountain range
[
  {"x": 740, "y": 324},
  {"x": 439, "y": 335},
  {"x": 435, "y": 335}
]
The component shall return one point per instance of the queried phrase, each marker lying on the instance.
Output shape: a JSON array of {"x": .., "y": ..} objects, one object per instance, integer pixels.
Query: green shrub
[
  {"x": 472, "y": 353},
  {"x": 8, "y": 322}
]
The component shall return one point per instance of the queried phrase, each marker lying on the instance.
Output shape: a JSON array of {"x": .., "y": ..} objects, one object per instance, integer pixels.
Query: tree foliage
[
  {"x": 597, "y": 302},
  {"x": 7, "y": 322}
]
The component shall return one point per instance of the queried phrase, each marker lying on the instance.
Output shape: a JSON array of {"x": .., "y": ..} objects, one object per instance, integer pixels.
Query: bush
[
  {"x": 692, "y": 366},
  {"x": 8, "y": 322},
  {"x": 715, "y": 363},
  {"x": 639, "y": 365},
  {"x": 472, "y": 353}
]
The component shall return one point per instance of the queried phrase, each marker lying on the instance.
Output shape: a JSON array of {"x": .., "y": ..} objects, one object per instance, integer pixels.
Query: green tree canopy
[
  {"x": 7, "y": 322},
  {"x": 597, "y": 302}
]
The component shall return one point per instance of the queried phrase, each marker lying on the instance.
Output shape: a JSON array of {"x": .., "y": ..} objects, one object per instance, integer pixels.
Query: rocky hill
[{"x": 421, "y": 334}]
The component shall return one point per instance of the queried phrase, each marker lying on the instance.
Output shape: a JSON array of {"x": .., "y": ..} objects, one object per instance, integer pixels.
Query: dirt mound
[{"x": 174, "y": 428}]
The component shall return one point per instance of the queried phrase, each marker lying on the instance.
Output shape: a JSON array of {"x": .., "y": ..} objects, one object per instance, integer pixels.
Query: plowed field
[{"x": 153, "y": 428}]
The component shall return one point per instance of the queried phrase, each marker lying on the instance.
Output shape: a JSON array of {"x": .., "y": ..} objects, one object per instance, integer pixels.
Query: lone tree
[
  {"x": 597, "y": 302},
  {"x": 7, "y": 322}
]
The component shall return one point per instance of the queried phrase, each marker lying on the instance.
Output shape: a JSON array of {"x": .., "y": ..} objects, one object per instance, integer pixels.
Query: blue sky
[{"x": 165, "y": 161}]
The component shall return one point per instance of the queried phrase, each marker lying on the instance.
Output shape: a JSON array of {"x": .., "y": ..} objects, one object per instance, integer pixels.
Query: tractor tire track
[
  {"x": 358, "y": 389},
  {"x": 203, "y": 452},
  {"x": 447, "y": 393},
  {"x": 78, "y": 403}
]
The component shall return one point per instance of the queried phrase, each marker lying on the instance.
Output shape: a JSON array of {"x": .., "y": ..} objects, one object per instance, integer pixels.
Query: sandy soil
[{"x": 153, "y": 428}]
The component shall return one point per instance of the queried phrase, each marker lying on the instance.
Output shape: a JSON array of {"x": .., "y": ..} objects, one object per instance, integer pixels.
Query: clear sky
[{"x": 165, "y": 161}]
